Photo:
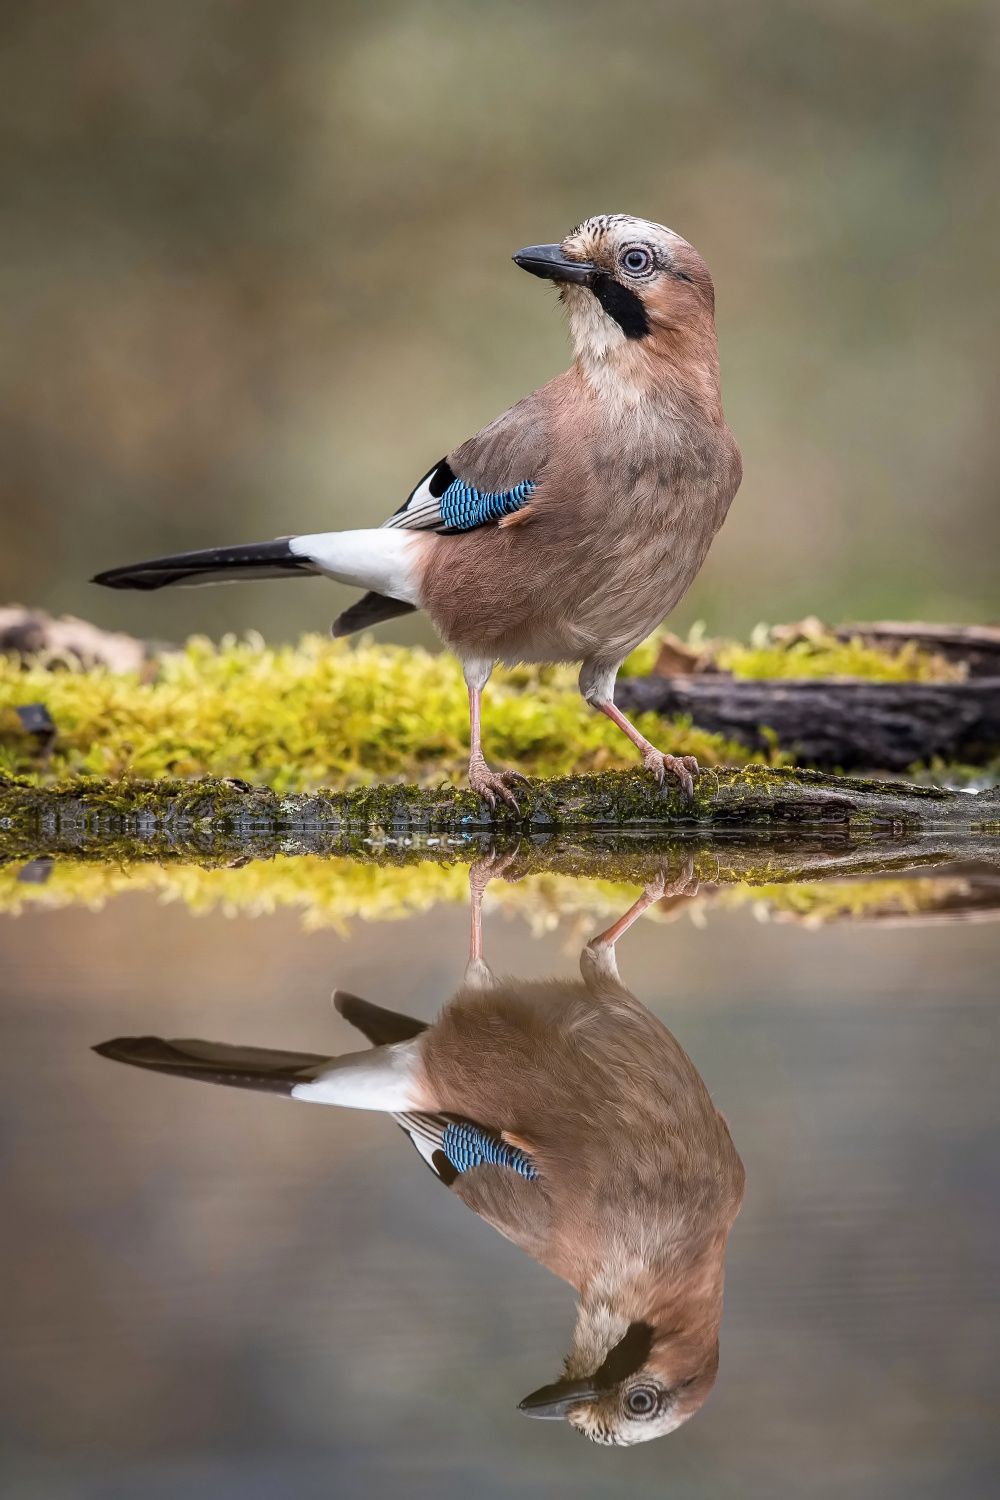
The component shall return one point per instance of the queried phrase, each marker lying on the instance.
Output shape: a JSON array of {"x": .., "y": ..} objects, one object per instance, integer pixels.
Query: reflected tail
[
  {"x": 215, "y": 1062},
  {"x": 384, "y": 1078}
]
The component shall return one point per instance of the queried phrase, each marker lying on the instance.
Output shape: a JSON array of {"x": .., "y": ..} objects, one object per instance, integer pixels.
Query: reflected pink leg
[{"x": 683, "y": 884}]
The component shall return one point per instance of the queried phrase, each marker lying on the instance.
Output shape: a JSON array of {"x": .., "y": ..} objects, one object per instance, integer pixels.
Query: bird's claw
[
  {"x": 684, "y": 767},
  {"x": 684, "y": 883},
  {"x": 492, "y": 866},
  {"x": 492, "y": 784}
]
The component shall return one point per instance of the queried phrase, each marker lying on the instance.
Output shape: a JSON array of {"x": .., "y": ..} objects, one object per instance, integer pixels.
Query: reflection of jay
[
  {"x": 569, "y": 527},
  {"x": 571, "y": 1120}
]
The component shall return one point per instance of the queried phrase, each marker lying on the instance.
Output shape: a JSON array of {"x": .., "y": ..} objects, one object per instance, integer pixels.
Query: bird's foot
[
  {"x": 684, "y": 767},
  {"x": 492, "y": 866},
  {"x": 684, "y": 883},
  {"x": 493, "y": 784}
]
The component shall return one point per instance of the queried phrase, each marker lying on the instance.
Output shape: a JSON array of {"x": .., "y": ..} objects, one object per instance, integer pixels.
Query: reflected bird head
[{"x": 629, "y": 1382}]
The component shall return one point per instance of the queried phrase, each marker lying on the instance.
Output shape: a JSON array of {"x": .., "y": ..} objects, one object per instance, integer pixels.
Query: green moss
[
  {"x": 816, "y": 654},
  {"x": 322, "y": 713},
  {"x": 612, "y": 811},
  {"x": 825, "y": 656}
]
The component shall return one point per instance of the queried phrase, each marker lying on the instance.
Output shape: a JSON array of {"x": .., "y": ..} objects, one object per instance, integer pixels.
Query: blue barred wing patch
[
  {"x": 450, "y": 1145},
  {"x": 463, "y": 507},
  {"x": 441, "y": 502},
  {"x": 467, "y": 1146}
]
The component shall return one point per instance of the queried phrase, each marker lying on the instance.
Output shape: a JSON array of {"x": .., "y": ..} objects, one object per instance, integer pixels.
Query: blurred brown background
[{"x": 256, "y": 276}]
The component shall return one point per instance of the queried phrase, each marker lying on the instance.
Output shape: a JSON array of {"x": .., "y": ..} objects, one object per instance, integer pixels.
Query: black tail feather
[
  {"x": 213, "y": 565},
  {"x": 215, "y": 1062},
  {"x": 381, "y": 1027}
]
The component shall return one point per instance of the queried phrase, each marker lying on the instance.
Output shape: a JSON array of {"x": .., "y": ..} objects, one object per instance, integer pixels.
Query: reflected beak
[
  {"x": 554, "y": 1402},
  {"x": 628, "y": 1355},
  {"x": 550, "y": 262}
]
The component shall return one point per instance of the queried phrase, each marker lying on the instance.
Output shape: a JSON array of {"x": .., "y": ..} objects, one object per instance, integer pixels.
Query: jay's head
[
  {"x": 645, "y": 1385},
  {"x": 643, "y": 1388},
  {"x": 628, "y": 285}
]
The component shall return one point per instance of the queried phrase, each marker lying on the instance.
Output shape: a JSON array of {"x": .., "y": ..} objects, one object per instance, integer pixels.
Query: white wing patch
[
  {"x": 425, "y": 1131},
  {"x": 421, "y": 511}
]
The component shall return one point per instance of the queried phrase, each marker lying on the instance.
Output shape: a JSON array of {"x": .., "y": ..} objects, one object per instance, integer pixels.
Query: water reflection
[{"x": 569, "y": 1118}]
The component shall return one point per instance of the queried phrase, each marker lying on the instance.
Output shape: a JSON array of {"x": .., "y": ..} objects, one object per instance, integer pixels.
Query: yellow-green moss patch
[{"x": 322, "y": 713}]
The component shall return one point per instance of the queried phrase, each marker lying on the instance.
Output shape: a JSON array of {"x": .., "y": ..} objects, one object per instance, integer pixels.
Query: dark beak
[
  {"x": 553, "y": 1402},
  {"x": 550, "y": 262},
  {"x": 628, "y": 1355}
]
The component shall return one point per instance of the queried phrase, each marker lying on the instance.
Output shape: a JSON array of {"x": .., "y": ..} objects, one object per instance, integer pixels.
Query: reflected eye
[
  {"x": 641, "y": 1402},
  {"x": 637, "y": 261}
]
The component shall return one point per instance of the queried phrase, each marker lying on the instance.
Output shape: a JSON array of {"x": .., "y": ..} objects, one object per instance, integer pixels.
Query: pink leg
[
  {"x": 684, "y": 884},
  {"x": 481, "y": 872},
  {"x": 635, "y": 911},
  {"x": 684, "y": 767},
  {"x": 476, "y": 891},
  {"x": 477, "y": 970},
  {"x": 489, "y": 784}
]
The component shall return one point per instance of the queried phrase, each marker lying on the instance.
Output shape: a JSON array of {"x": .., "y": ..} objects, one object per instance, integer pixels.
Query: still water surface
[{"x": 216, "y": 1292}]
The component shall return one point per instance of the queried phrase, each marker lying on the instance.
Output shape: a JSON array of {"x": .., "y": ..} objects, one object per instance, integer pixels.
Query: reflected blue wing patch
[
  {"x": 466, "y": 1146},
  {"x": 451, "y": 1145}
]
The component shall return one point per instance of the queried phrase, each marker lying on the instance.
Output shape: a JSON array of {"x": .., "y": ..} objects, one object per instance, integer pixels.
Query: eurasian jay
[
  {"x": 570, "y": 1119},
  {"x": 571, "y": 526}
]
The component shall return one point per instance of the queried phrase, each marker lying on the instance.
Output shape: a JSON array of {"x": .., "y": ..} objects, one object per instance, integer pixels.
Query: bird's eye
[
  {"x": 642, "y": 1402},
  {"x": 637, "y": 261}
]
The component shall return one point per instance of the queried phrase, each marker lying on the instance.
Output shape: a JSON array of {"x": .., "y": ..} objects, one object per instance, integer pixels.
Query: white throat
[
  {"x": 601, "y": 348},
  {"x": 598, "y": 1329}
]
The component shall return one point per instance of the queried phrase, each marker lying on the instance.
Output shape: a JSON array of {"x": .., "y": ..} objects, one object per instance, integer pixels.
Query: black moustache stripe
[
  {"x": 629, "y": 1354},
  {"x": 621, "y": 304}
]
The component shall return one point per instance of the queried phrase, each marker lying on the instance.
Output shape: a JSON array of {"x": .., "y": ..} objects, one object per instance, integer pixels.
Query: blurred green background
[{"x": 256, "y": 277}]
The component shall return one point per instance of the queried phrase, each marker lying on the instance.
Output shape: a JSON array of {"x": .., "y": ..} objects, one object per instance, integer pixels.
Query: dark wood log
[{"x": 887, "y": 726}]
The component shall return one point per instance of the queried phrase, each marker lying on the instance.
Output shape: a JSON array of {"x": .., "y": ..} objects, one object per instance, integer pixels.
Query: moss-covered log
[{"x": 756, "y": 800}]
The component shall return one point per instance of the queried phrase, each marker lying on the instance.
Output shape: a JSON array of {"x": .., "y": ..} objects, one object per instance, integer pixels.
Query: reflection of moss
[
  {"x": 327, "y": 892},
  {"x": 818, "y": 902},
  {"x": 330, "y": 892},
  {"x": 320, "y": 713}
]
